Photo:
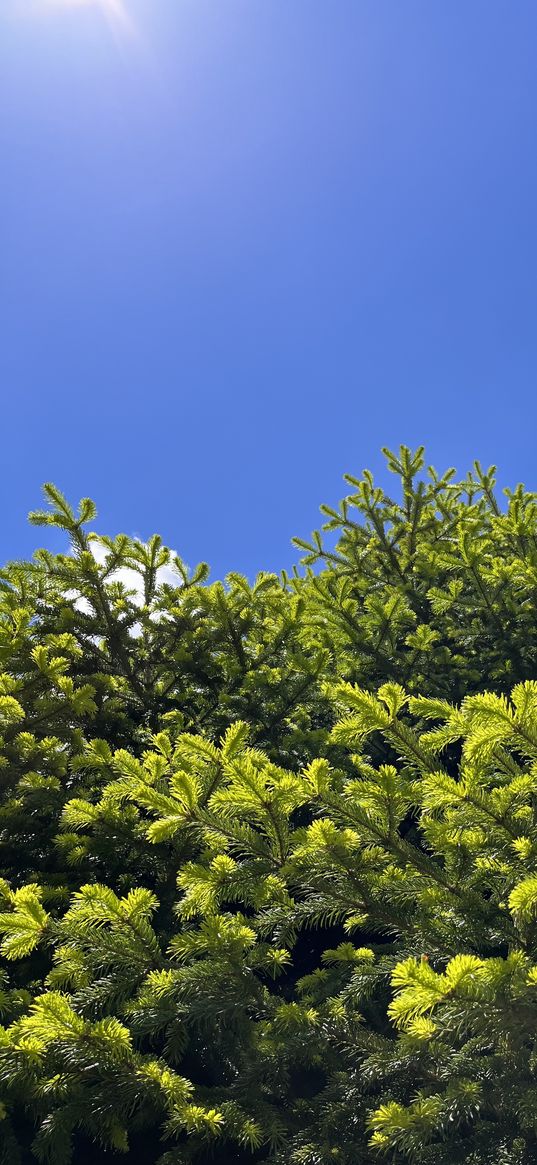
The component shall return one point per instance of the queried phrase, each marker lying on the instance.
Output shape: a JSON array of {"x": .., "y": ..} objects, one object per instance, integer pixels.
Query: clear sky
[{"x": 245, "y": 243}]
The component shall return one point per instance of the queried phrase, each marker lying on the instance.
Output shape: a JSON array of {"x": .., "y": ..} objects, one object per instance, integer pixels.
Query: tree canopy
[{"x": 268, "y": 851}]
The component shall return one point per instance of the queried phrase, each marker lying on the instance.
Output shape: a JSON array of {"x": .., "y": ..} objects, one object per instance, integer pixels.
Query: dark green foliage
[{"x": 269, "y": 852}]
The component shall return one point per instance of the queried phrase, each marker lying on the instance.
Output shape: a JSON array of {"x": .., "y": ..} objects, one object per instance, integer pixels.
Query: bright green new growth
[{"x": 269, "y": 852}]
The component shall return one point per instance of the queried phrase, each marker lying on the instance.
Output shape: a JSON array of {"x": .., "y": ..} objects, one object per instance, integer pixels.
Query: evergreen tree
[{"x": 268, "y": 851}]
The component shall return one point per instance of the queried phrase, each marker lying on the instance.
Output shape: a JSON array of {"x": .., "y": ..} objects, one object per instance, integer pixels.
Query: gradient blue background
[{"x": 248, "y": 246}]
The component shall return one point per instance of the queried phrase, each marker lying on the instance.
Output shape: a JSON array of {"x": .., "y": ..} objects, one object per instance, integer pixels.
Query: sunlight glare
[{"x": 113, "y": 10}]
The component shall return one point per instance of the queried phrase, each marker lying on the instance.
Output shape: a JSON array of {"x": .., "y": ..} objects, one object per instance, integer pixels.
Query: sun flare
[{"x": 114, "y": 12}]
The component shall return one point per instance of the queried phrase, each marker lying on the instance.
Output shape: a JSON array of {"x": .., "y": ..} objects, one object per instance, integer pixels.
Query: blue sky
[{"x": 245, "y": 243}]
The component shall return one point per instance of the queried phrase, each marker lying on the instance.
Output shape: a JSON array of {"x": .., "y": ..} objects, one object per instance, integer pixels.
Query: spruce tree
[{"x": 268, "y": 851}]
